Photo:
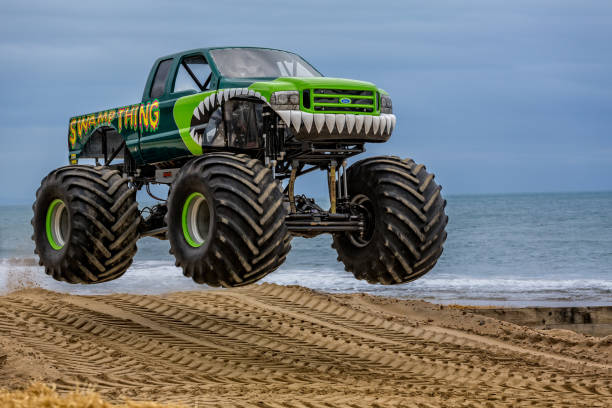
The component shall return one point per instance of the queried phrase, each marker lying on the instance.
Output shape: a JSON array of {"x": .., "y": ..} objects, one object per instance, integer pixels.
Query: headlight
[
  {"x": 386, "y": 106},
  {"x": 285, "y": 100}
]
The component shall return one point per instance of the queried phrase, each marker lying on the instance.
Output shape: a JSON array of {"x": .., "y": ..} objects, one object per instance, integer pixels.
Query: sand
[{"x": 270, "y": 346}]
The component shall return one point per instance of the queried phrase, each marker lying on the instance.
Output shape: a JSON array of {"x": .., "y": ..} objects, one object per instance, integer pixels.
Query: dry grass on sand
[{"x": 39, "y": 395}]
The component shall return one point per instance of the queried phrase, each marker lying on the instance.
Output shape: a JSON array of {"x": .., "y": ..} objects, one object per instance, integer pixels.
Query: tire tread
[
  {"x": 105, "y": 217},
  {"x": 251, "y": 239},
  {"x": 411, "y": 233}
]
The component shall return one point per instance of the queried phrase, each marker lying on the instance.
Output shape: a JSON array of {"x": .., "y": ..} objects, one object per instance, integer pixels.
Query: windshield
[{"x": 260, "y": 63}]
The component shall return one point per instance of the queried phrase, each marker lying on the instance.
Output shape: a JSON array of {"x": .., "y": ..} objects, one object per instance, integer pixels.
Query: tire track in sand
[{"x": 269, "y": 345}]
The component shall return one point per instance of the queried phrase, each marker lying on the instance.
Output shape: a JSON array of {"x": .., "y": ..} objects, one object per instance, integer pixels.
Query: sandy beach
[{"x": 269, "y": 345}]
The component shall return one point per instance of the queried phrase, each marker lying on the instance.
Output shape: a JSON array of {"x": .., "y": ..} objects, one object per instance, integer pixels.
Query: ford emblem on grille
[{"x": 345, "y": 100}]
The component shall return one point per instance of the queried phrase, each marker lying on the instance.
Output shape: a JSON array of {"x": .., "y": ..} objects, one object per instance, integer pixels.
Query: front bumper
[{"x": 338, "y": 126}]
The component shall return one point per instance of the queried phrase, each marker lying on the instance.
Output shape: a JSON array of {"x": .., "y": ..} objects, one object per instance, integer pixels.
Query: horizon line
[{"x": 511, "y": 193}]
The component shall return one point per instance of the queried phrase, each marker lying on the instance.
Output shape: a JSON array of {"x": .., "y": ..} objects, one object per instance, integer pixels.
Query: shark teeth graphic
[
  {"x": 367, "y": 122},
  {"x": 330, "y": 121},
  {"x": 340, "y": 120},
  {"x": 375, "y": 124},
  {"x": 347, "y": 124},
  {"x": 319, "y": 120},
  {"x": 383, "y": 125},
  {"x": 350, "y": 123},
  {"x": 195, "y": 136},
  {"x": 285, "y": 116},
  {"x": 296, "y": 119},
  {"x": 307, "y": 118},
  {"x": 358, "y": 123}
]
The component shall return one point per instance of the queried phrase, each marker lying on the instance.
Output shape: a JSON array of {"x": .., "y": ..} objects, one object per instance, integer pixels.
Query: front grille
[
  {"x": 343, "y": 92},
  {"x": 326, "y": 100},
  {"x": 343, "y": 100},
  {"x": 354, "y": 101},
  {"x": 341, "y": 109}
]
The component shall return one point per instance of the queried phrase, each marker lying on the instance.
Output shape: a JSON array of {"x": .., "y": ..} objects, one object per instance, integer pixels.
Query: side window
[
  {"x": 193, "y": 73},
  {"x": 159, "y": 82}
]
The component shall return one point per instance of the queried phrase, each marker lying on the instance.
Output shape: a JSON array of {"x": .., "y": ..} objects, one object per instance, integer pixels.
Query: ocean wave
[
  {"x": 541, "y": 285},
  {"x": 154, "y": 277}
]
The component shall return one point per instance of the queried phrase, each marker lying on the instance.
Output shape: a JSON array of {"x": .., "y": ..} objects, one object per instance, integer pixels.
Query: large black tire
[
  {"x": 405, "y": 221},
  {"x": 235, "y": 234},
  {"x": 95, "y": 237}
]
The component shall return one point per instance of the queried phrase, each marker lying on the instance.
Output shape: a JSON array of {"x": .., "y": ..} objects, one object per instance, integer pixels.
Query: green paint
[
  {"x": 182, "y": 113},
  {"x": 50, "y": 220},
  {"x": 185, "y": 221}
]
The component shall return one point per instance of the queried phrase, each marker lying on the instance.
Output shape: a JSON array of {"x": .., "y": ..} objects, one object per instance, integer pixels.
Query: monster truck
[{"x": 229, "y": 130}]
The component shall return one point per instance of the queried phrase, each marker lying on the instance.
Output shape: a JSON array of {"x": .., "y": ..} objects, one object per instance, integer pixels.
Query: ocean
[{"x": 505, "y": 250}]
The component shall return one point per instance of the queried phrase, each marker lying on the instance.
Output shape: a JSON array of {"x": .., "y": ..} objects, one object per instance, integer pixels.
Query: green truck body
[{"x": 159, "y": 127}]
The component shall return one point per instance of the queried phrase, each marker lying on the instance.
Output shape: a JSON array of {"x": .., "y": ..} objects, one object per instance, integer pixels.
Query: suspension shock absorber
[
  {"x": 291, "y": 186},
  {"x": 331, "y": 174},
  {"x": 344, "y": 182},
  {"x": 268, "y": 131}
]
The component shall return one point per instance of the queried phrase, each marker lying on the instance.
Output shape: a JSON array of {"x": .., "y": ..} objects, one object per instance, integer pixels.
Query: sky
[{"x": 493, "y": 96}]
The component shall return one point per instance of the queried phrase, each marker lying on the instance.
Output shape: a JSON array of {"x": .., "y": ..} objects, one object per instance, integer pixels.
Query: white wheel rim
[
  {"x": 60, "y": 213},
  {"x": 57, "y": 224},
  {"x": 196, "y": 220}
]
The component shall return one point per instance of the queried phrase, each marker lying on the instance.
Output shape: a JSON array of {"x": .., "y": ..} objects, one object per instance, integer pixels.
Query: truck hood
[
  {"x": 299, "y": 83},
  {"x": 310, "y": 82},
  {"x": 295, "y": 83}
]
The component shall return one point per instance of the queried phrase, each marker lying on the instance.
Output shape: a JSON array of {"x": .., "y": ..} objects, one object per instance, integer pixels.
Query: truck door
[{"x": 174, "y": 78}]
